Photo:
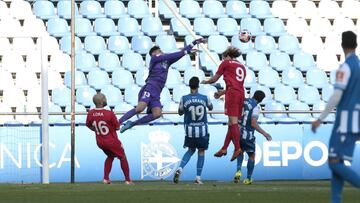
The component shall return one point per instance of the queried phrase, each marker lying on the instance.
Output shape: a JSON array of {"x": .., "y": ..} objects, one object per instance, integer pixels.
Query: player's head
[
  {"x": 99, "y": 100},
  {"x": 348, "y": 40},
  {"x": 231, "y": 53},
  {"x": 259, "y": 96},
  {"x": 155, "y": 51},
  {"x": 194, "y": 83}
]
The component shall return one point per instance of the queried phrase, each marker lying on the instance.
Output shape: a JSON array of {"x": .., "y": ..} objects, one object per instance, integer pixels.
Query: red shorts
[
  {"x": 234, "y": 102},
  {"x": 114, "y": 149}
]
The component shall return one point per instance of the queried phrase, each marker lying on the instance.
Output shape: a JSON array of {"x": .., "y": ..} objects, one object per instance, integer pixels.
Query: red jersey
[
  {"x": 105, "y": 124},
  {"x": 234, "y": 74}
]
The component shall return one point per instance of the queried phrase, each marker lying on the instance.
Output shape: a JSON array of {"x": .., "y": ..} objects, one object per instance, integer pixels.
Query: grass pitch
[{"x": 184, "y": 192}]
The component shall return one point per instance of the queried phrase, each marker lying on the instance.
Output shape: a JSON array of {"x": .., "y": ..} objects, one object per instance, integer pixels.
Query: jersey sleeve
[
  {"x": 255, "y": 112},
  {"x": 221, "y": 68},
  {"x": 342, "y": 77}
]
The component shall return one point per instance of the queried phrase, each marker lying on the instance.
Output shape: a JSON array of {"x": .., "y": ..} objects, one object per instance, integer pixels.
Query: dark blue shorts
[
  {"x": 247, "y": 145},
  {"x": 150, "y": 95},
  {"x": 197, "y": 143},
  {"x": 342, "y": 145}
]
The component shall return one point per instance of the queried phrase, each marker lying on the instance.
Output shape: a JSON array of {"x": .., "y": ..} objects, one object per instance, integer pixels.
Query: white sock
[{"x": 198, "y": 178}]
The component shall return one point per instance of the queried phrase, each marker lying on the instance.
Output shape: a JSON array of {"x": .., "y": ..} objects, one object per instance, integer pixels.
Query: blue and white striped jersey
[
  {"x": 251, "y": 110},
  {"x": 195, "y": 107},
  {"x": 348, "y": 80}
]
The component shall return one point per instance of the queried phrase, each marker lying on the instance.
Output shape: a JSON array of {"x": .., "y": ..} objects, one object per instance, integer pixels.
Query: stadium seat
[
  {"x": 34, "y": 96},
  {"x": 179, "y": 91},
  {"x": 250, "y": 79},
  {"x": 236, "y": 9},
  {"x": 65, "y": 44},
  {"x": 280, "y": 60},
  {"x": 289, "y": 44},
  {"x": 10, "y": 27},
  {"x": 61, "y": 96},
  {"x": 304, "y": 61},
  {"x": 52, "y": 45},
  {"x": 253, "y": 25},
  {"x": 333, "y": 43},
  {"x": 342, "y": 24},
  {"x": 20, "y": 10},
  {"x": 305, "y": 9},
  {"x": 165, "y": 96},
  {"x": 4, "y": 11},
  {"x": 55, "y": 119},
  {"x": 266, "y": 90},
  {"x": 64, "y": 9},
  {"x": 308, "y": 94},
  {"x": 293, "y": 78},
  {"x": 13, "y": 62},
  {"x": 219, "y": 106},
  {"x": 105, "y": 27},
  {"x": 6, "y": 80},
  {"x": 213, "y": 9},
  {"x": 26, "y": 79},
  {"x": 217, "y": 43},
  {"x": 138, "y": 9},
  {"x": 321, "y": 107},
  {"x": 91, "y": 9},
  {"x": 327, "y": 92},
  {"x": 189, "y": 39},
  {"x": 227, "y": 26},
  {"x": 109, "y": 61},
  {"x": 122, "y": 78},
  {"x": 177, "y": 28},
  {"x": 44, "y": 9},
  {"x": 260, "y": 9},
  {"x": 190, "y": 9},
  {"x": 244, "y": 47},
  {"x": 172, "y": 106},
  {"x": 272, "y": 105},
  {"x": 124, "y": 107},
  {"x": 13, "y": 97},
  {"x": 300, "y": 117},
  {"x": 204, "y": 27},
  {"x": 118, "y": 44},
  {"x": 185, "y": 62},
  {"x": 297, "y": 26},
  {"x": 24, "y": 45},
  {"x": 80, "y": 79},
  {"x": 54, "y": 80},
  {"x": 94, "y": 44},
  {"x": 114, "y": 9},
  {"x": 256, "y": 60},
  {"x": 268, "y": 77},
  {"x": 98, "y": 79},
  {"x": 6, "y": 118},
  {"x": 141, "y": 44},
  {"x": 83, "y": 27},
  {"x": 282, "y": 9},
  {"x": 164, "y": 11},
  {"x": 206, "y": 62},
  {"x": 349, "y": 8},
  {"x": 265, "y": 44},
  {"x": 141, "y": 76},
  {"x": 113, "y": 95},
  {"x": 312, "y": 44},
  {"x": 320, "y": 26},
  {"x": 128, "y": 27},
  {"x": 85, "y": 62},
  {"x": 132, "y": 61},
  {"x": 167, "y": 43},
  {"x": 327, "y": 61},
  {"x": 274, "y": 27},
  {"x": 284, "y": 94},
  {"x": 79, "y": 119},
  {"x": 4, "y": 45},
  {"x": 208, "y": 90},
  {"x": 152, "y": 26},
  {"x": 84, "y": 95},
  {"x": 131, "y": 94},
  {"x": 191, "y": 72},
  {"x": 57, "y": 27},
  {"x": 328, "y": 9},
  {"x": 34, "y": 27},
  {"x": 26, "y": 119},
  {"x": 173, "y": 79}
]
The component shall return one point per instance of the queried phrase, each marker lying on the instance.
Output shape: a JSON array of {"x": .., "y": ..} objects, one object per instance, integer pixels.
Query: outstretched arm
[
  {"x": 255, "y": 125},
  {"x": 212, "y": 80}
]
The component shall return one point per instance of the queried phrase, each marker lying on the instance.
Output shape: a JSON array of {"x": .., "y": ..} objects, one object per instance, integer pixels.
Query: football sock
[
  {"x": 346, "y": 173},
  {"x": 235, "y": 135},
  {"x": 107, "y": 167},
  {"x": 250, "y": 168},
  {"x": 145, "y": 119},
  {"x": 200, "y": 164},
  {"x": 239, "y": 159},
  {"x": 337, "y": 184},
  {"x": 127, "y": 116},
  {"x": 125, "y": 168},
  {"x": 185, "y": 159},
  {"x": 227, "y": 140}
]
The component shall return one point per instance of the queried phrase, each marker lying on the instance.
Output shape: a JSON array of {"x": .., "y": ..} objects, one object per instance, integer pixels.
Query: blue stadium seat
[
  {"x": 217, "y": 43},
  {"x": 260, "y": 9},
  {"x": 327, "y": 91},
  {"x": 57, "y": 27},
  {"x": 84, "y": 95},
  {"x": 300, "y": 106},
  {"x": 213, "y": 9},
  {"x": 173, "y": 79},
  {"x": 44, "y": 9},
  {"x": 94, "y": 44},
  {"x": 284, "y": 94},
  {"x": 167, "y": 43},
  {"x": 113, "y": 95},
  {"x": 265, "y": 44},
  {"x": 208, "y": 90},
  {"x": 204, "y": 26},
  {"x": 227, "y": 26},
  {"x": 80, "y": 79},
  {"x": 83, "y": 27},
  {"x": 124, "y": 107},
  {"x": 79, "y": 119},
  {"x": 114, "y": 9},
  {"x": 105, "y": 27},
  {"x": 253, "y": 25},
  {"x": 236, "y": 9},
  {"x": 122, "y": 78},
  {"x": 109, "y": 61},
  {"x": 289, "y": 44},
  {"x": 189, "y": 39},
  {"x": 91, "y": 9},
  {"x": 128, "y": 27},
  {"x": 138, "y": 9},
  {"x": 164, "y": 11},
  {"x": 250, "y": 79},
  {"x": 274, "y": 27},
  {"x": 118, "y": 44},
  {"x": 179, "y": 91},
  {"x": 172, "y": 106},
  {"x": 183, "y": 64},
  {"x": 132, "y": 61},
  {"x": 131, "y": 94},
  {"x": 64, "y": 9},
  {"x": 292, "y": 77},
  {"x": 61, "y": 96},
  {"x": 141, "y": 76},
  {"x": 244, "y": 47},
  {"x": 316, "y": 77},
  {"x": 152, "y": 26},
  {"x": 268, "y": 77},
  {"x": 256, "y": 60},
  {"x": 141, "y": 44},
  {"x": 280, "y": 60},
  {"x": 98, "y": 79},
  {"x": 55, "y": 119},
  {"x": 304, "y": 61},
  {"x": 266, "y": 90},
  {"x": 272, "y": 105},
  {"x": 65, "y": 44},
  {"x": 191, "y": 72},
  {"x": 206, "y": 62},
  {"x": 85, "y": 62},
  {"x": 177, "y": 28},
  {"x": 190, "y": 9},
  {"x": 308, "y": 94}
]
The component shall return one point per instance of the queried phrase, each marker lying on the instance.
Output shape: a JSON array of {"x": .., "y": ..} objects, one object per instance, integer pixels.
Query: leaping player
[{"x": 149, "y": 95}]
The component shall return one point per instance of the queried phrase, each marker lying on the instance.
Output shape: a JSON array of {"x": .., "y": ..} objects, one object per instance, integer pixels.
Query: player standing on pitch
[
  {"x": 105, "y": 124},
  {"x": 234, "y": 75},
  {"x": 149, "y": 95},
  {"x": 346, "y": 131},
  {"x": 194, "y": 107}
]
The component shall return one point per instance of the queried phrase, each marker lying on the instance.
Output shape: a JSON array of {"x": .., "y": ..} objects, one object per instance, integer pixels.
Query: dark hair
[
  {"x": 348, "y": 40},
  {"x": 232, "y": 52},
  {"x": 259, "y": 96},
  {"x": 194, "y": 83},
  {"x": 154, "y": 48}
]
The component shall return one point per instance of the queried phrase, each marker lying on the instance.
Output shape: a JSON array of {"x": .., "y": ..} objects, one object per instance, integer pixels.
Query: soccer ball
[{"x": 244, "y": 36}]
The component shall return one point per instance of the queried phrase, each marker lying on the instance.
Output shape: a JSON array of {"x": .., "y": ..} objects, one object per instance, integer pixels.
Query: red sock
[
  {"x": 125, "y": 168},
  {"x": 227, "y": 140},
  {"x": 107, "y": 167},
  {"x": 235, "y": 135}
]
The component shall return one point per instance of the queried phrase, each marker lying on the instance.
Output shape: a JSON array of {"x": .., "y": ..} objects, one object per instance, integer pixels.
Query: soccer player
[
  {"x": 194, "y": 107},
  {"x": 149, "y": 95},
  {"x": 105, "y": 124},
  {"x": 234, "y": 75},
  {"x": 346, "y": 131}
]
